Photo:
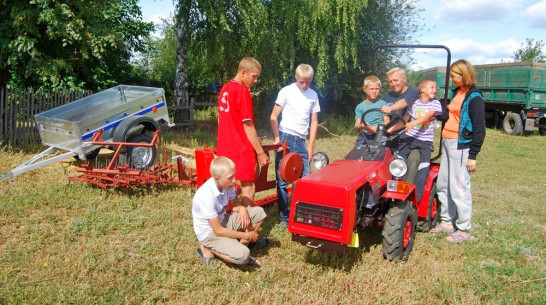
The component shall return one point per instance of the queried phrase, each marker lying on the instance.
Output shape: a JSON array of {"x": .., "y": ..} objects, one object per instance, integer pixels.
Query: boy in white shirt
[
  {"x": 219, "y": 233},
  {"x": 299, "y": 105}
]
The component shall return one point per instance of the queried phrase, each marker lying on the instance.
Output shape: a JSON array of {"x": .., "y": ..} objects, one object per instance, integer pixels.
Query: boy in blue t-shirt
[{"x": 367, "y": 129}]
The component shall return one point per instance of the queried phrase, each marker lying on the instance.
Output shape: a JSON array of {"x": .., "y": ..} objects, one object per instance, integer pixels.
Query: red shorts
[{"x": 245, "y": 168}]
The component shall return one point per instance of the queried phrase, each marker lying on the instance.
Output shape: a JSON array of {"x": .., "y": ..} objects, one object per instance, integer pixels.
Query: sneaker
[{"x": 283, "y": 224}]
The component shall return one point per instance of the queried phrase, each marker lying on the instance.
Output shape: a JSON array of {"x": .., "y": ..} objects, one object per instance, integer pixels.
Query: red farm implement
[{"x": 118, "y": 174}]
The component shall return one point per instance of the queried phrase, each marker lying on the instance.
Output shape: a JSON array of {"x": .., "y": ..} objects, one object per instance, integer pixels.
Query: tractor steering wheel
[{"x": 394, "y": 119}]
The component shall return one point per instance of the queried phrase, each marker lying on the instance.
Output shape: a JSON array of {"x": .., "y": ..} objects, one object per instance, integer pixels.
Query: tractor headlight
[
  {"x": 319, "y": 160},
  {"x": 398, "y": 167}
]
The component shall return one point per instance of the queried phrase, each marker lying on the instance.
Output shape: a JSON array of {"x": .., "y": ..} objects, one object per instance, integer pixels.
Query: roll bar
[{"x": 448, "y": 64}]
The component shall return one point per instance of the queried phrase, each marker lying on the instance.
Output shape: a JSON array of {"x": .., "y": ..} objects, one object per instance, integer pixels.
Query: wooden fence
[{"x": 18, "y": 107}]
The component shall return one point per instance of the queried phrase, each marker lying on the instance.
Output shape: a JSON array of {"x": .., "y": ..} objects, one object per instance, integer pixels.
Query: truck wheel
[
  {"x": 399, "y": 230},
  {"x": 501, "y": 119},
  {"x": 433, "y": 214},
  {"x": 512, "y": 124},
  {"x": 542, "y": 130},
  {"x": 496, "y": 119},
  {"x": 140, "y": 157},
  {"x": 490, "y": 119}
]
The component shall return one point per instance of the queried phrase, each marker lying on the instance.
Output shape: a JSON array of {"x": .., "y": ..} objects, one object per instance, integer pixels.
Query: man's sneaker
[{"x": 283, "y": 224}]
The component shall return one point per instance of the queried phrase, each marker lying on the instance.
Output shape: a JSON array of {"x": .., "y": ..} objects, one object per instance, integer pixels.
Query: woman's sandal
[
  {"x": 442, "y": 228},
  {"x": 253, "y": 262},
  {"x": 457, "y": 237}
]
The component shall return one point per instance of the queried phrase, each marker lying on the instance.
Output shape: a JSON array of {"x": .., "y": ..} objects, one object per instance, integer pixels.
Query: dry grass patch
[{"x": 66, "y": 242}]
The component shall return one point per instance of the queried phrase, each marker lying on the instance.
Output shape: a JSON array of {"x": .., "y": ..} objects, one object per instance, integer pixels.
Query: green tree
[
  {"x": 335, "y": 36},
  {"x": 69, "y": 44},
  {"x": 530, "y": 51}
]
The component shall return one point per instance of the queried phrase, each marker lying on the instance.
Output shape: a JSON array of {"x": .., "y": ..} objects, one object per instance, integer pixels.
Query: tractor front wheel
[
  {"x": 433, "y": 214},
  {"x": 399, "y": 230}
]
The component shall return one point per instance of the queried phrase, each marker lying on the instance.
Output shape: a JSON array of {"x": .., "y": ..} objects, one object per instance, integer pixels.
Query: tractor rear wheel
[
  {"x": 399, "y": 230},
  {"x": 433, "y": 214}
]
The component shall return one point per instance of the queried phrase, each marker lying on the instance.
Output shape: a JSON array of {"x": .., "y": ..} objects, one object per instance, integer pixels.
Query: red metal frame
[{"x": 122, "y": 176}]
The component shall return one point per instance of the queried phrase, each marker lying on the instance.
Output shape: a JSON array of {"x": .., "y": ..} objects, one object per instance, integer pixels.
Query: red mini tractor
[{"x": 330, "y": 206}]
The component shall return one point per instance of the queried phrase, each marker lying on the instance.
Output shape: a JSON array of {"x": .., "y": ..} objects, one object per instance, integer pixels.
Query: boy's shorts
[
  {"x": 231, "y": 247},
  {"x": 245, "y": 167}
]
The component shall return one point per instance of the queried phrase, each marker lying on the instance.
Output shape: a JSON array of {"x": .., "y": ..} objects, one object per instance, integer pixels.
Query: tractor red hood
[
  {"x": 330, "y": 193},
  {"x": 348, "y": 172}
]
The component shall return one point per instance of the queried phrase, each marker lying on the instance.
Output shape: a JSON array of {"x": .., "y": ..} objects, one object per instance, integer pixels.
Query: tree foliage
[
  {"x": 336, "y": 37},
  {"x": 530, "y": 51},
  {"x": 69, "y": 44}
]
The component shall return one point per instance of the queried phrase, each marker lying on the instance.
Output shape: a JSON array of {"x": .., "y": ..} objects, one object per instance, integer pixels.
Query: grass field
[{"x": 71, "y": 243}]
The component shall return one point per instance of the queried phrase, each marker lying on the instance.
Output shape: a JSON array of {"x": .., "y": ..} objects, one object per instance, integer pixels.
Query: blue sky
[{"x": 481, "y": 31}]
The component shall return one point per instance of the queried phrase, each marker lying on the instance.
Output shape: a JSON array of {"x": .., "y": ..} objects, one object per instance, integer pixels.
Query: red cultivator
[
  {"x": 124, "y": 176},
  {"x": 116, "y": 175}
]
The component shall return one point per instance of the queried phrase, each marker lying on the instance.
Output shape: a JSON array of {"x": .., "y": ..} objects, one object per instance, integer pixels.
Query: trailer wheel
[
  {"x": 501, "y": 119},
  {"x": 433, "y": 214},
  {"x": 133, "y": 125},
  {"x": 399, "y": 230},
  {"x": 140, "y": 157},
  {"x": 491, "y": 119},
  {"x": 542, "y": 130},
  {"x": 496, "y": 121},
  {"x": 92, "y": 154},
  {"x": 512, "y": 124}
]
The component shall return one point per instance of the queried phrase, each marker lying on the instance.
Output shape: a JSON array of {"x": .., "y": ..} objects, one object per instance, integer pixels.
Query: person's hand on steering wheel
[{"x": 393, "y": 128}]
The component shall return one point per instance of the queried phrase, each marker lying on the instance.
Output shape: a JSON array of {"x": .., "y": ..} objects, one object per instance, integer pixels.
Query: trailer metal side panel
[
  {"x": 69, "y": 126},
  {"x": 521, "y": 84}
]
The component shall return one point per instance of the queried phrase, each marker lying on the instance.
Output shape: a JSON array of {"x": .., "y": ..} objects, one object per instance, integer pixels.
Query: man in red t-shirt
[{"x": 237, "y": 136}]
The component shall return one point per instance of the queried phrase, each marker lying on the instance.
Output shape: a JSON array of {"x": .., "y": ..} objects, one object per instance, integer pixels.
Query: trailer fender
[{"x": 121, "y": 134}]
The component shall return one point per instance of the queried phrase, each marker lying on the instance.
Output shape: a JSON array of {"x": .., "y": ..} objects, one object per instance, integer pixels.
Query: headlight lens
[
  {"x": 398, "y": 167},
  {"x": 319, "y": 160}
]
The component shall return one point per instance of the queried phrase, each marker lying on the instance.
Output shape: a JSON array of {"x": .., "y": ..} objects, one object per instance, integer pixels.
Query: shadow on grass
[{"x": 345, "y": 261}]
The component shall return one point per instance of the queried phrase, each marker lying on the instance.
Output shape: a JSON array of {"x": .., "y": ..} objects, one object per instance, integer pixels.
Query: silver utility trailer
[{"x": 124, "y": 113}]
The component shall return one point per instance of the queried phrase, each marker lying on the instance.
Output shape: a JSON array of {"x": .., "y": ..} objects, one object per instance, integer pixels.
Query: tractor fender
[
  {"x": 411, "y": 196},
  {"x": 122, "y": 130}
]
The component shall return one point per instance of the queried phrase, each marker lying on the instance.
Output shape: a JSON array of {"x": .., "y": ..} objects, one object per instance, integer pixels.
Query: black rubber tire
[
  {"x": 542, "y": 130},
  {"x": 493, "y": 120},
  {"x": 501, "y": 119},
  {"x": 90, "y": 155},
  {"x": 140, "y": 157},
  {"x": 433, "y": 212},
  {"x": 512, "y": 124},
  {"x": 121, "y": 133},
  {"x": 496, "y": 120},
  {"x": 399, "y": 230}
]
